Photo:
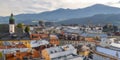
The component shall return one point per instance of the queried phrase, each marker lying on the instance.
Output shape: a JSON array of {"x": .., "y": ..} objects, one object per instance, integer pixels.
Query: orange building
[
  {"x": 35, "y": 37},
  {"x": 45, "y": 54},
  {"x": 38, "y": 36},
  {"x": 44, "y": 36},
  {"x": 89, "y": 39},
  {"x": 21, "y": 55},
  {"x": 59, "y": 52},
  {"x": 17, "y": 55}
]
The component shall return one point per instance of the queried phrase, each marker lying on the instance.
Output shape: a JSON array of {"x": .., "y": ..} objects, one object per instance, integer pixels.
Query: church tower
[{"x": 11, "y": 24}]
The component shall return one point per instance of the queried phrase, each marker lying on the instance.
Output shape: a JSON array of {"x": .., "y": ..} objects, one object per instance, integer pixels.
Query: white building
[
  {"x": 66, "y": 52},
  {"x": 11, "y": 24},
  {"x": 109, "y": 52},
  {"x": 37, "y": 43},
  {"x": 70, "y": 29},
  {"x": 115, "y": 42},
  {"x": 110, "y": 42}
]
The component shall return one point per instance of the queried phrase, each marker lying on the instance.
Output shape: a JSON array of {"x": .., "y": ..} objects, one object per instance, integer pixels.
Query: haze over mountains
[
  {"x": 96, "y": 19},
  {"x": 97, "y": 14}
]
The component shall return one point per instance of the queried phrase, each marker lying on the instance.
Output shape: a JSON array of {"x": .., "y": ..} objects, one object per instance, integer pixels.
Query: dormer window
[{"x": 55, "y": 51}]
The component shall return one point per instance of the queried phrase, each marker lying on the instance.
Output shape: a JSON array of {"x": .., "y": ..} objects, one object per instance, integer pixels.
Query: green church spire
[{"x": 11, "y": 19}]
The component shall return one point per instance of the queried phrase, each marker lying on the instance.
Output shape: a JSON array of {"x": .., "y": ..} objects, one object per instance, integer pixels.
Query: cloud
[
  {"x": 114, "y": 4},
  {"x": 36, "y": 6}
]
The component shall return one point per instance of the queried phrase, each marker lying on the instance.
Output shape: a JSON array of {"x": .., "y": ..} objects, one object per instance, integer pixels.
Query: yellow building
[
  {"x": 45, "y": 55},
  {"x": 59, "y": 51},
  {"x": 25, "y": 42},
  {"x": 86, "y": 53}
]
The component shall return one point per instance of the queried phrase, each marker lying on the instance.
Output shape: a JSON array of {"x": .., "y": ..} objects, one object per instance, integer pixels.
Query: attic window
[
  {"x": 67, "y": 46},
  {"x": 51, "y": 52},
  {"x": 34, "y": 36},
  {"x": 55, "y": 51}
]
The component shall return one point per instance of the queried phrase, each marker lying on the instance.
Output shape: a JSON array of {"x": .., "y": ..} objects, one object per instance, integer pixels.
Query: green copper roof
[{"x": 11, "y": 19}]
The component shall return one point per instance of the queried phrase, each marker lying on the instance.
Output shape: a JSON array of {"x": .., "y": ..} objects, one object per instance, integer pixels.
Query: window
[{"x": 34, "y": 36}]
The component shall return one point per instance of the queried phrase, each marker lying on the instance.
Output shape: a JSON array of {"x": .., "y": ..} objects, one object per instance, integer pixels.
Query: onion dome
[{"x": 11, "y": 19}]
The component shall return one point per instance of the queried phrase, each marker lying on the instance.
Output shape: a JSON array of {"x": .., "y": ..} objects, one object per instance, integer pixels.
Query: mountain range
[
  {"x": 97, "y": 13},
  {"x": 96, "y": 19}
]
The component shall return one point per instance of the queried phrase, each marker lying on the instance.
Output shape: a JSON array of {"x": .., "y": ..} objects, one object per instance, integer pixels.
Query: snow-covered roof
[
  {"x": 76, "y": 58},
  {"x": 13, "y": 50},
  {"x": 37, "y": 43},
  {"x": 69, "y": 47},
  {"x": 31, "y": 28},
  {"x": 53, "y": 36},
  {"x": 108, "y": 51},
  {"x": 72, "y": 30},
  {"x": 60, "y": 51},
  {"x": 117, "y": 45},
  {"x": 73, "y": 27},
  {"x": 59, "y": 48},
  {"x": 111, "y": 39},
  {"x": 58, "y": 27},
  {"x": 63, "y": 53},
  {"x": 6, "y": 43},
  {"x": 113, "y": 43},
  {"x": 69, "y": 57},
  {"x": 93, "y": 35}
]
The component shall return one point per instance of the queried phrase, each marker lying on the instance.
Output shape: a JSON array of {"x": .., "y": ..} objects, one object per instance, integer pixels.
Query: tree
[
  {"x": 20, "y": 25},
  {"x": 41, "y": 23},
  {"x": 110, "y": 28},
  {"x": 27, "y": 29}
]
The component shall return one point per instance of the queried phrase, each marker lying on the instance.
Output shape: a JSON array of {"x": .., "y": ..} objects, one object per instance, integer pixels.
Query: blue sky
[{"x": 37, "y": 6}]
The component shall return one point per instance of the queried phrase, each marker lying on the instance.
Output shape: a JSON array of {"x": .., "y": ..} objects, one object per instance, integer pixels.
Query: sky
[{"x": 36, "y": 6}]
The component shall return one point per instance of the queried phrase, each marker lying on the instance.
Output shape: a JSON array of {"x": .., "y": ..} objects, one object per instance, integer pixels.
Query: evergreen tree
[
  {"x": 110, "y": 28},
  {"x": 27, "y": 29}
]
